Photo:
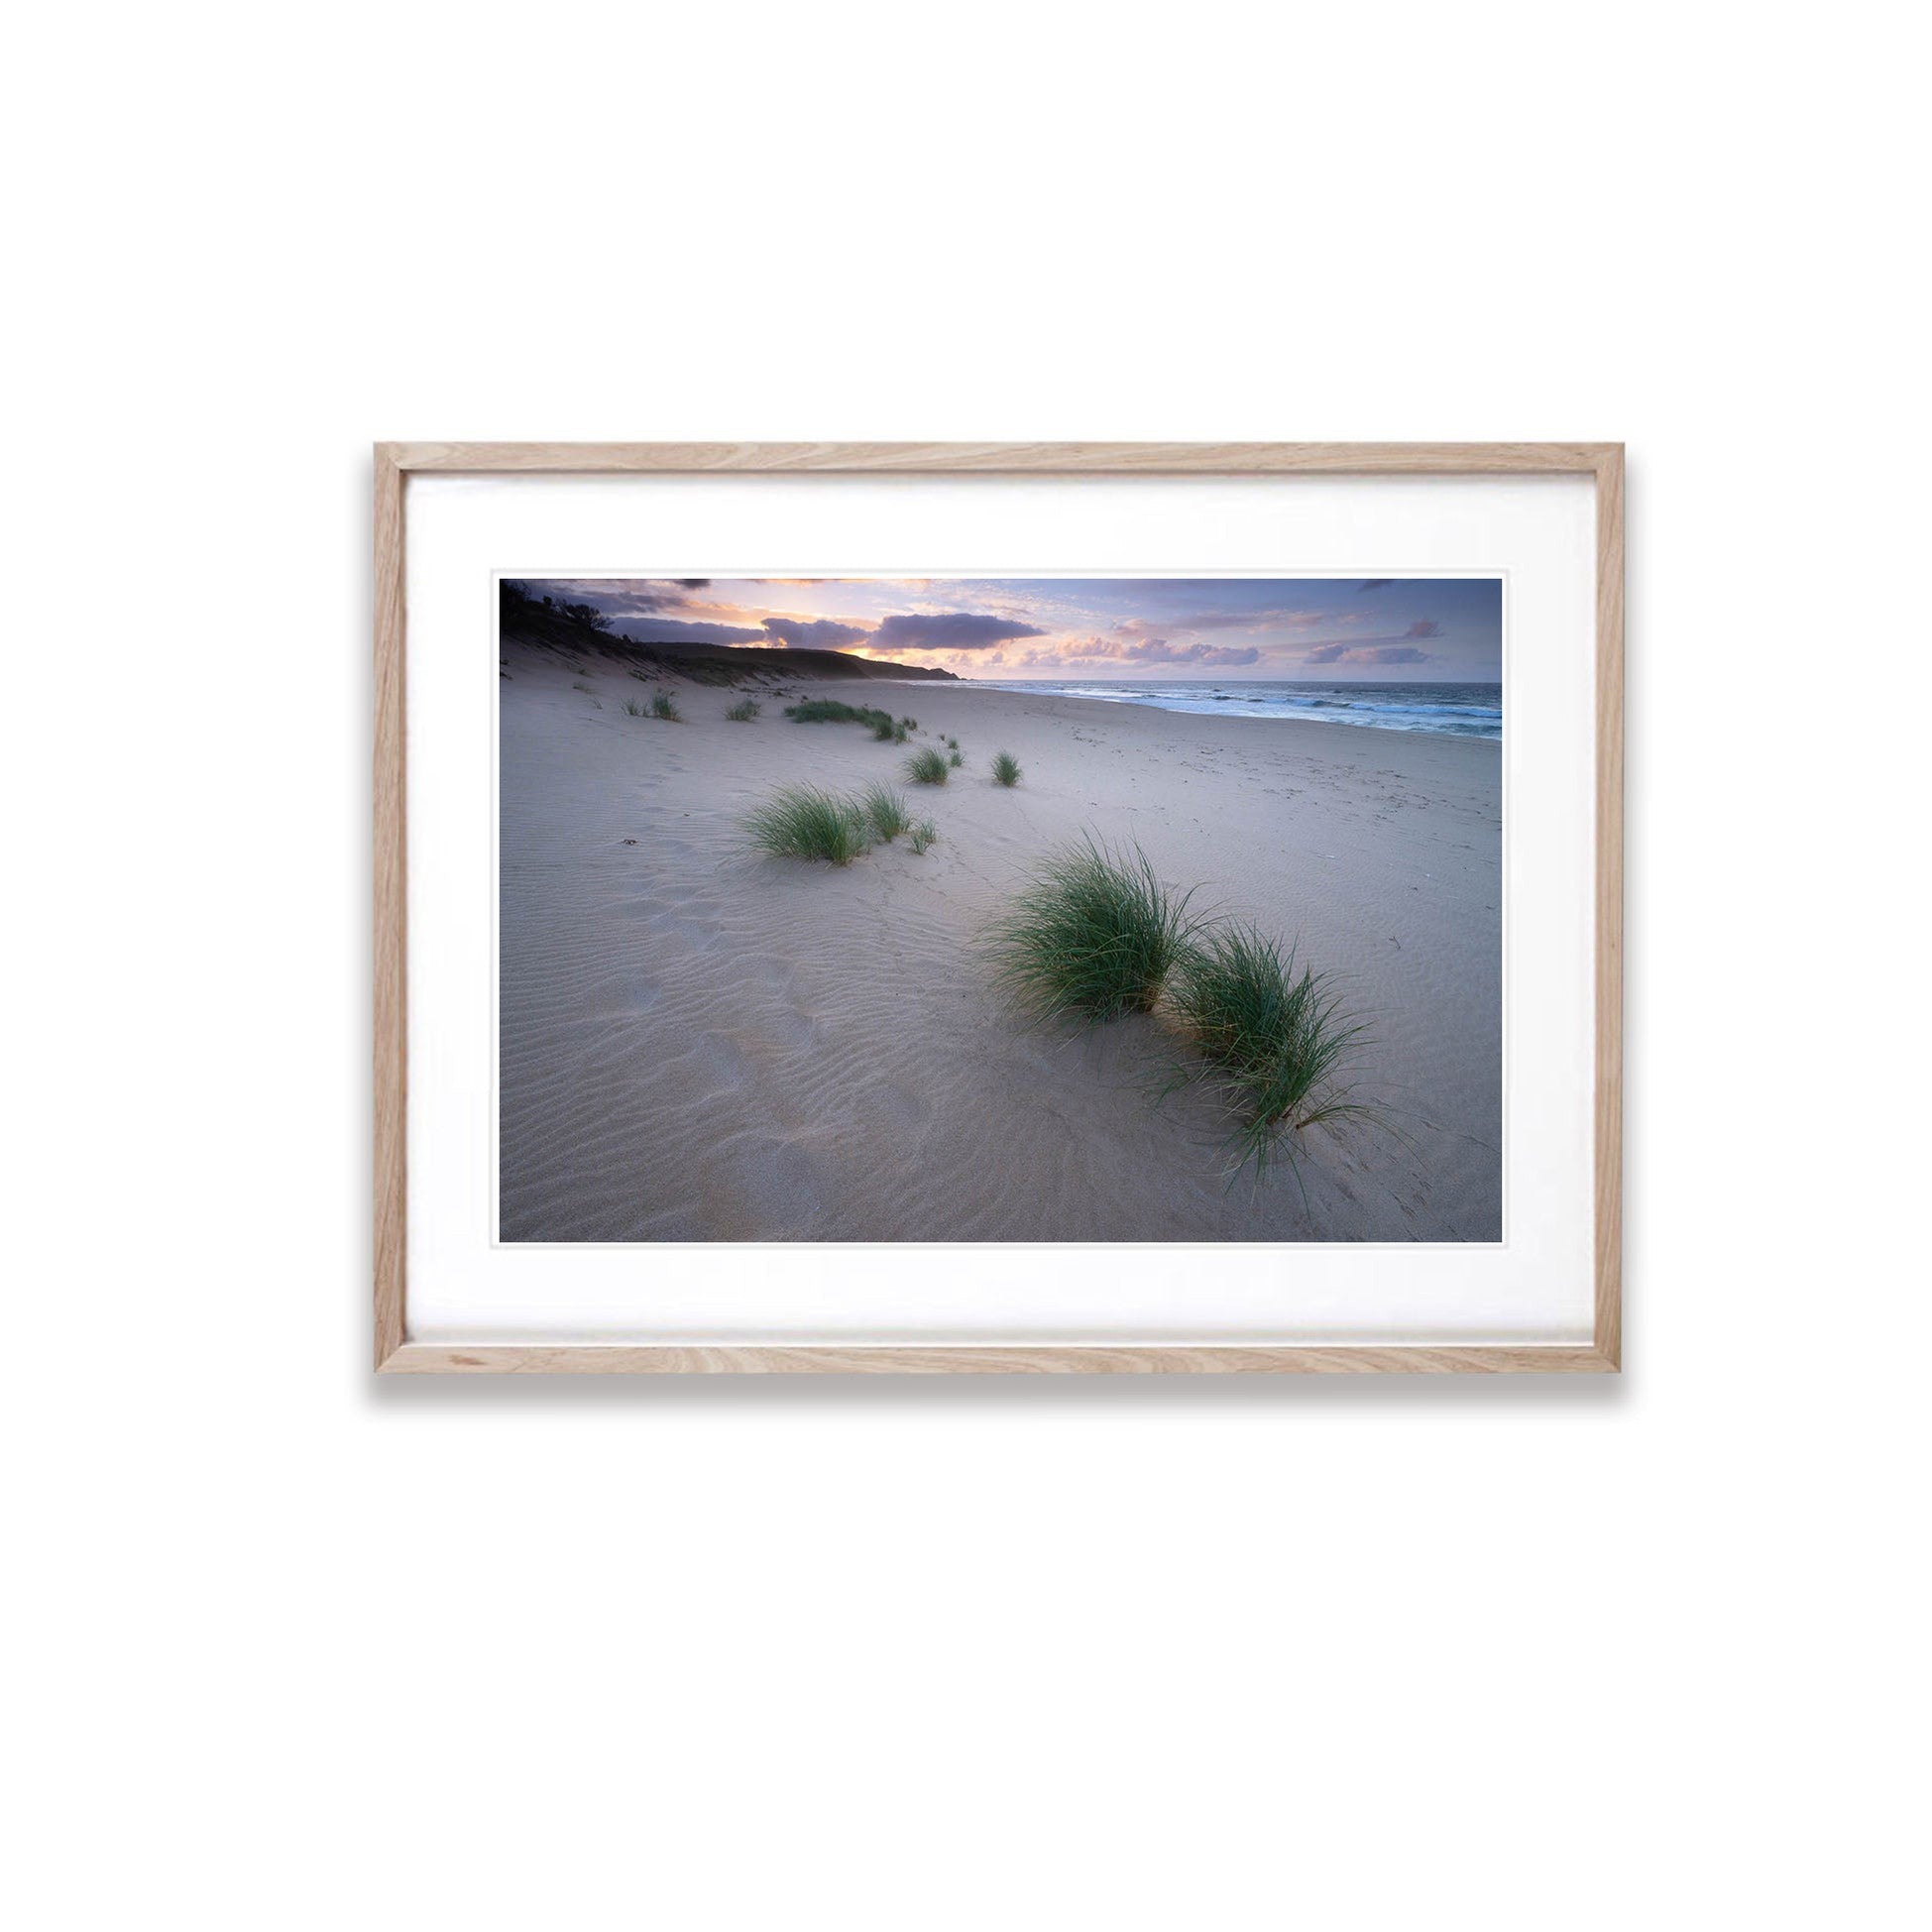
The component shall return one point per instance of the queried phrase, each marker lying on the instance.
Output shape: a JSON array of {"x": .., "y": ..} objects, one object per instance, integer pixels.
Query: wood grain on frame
[{"x": 396, "y": 1354}]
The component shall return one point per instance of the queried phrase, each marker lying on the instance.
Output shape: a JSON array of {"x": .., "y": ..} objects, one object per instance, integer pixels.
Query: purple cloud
[
  {"x": 815, "y": 634},
  {"x": 1391, "y": 654},
  {"x": 678, "y": 630},
  {"x": 616, "y": 597},
  {"x": 1379, "y": 650},
  {"x": 1151, "y": 650},
  {"x": 950, "y": 631}
]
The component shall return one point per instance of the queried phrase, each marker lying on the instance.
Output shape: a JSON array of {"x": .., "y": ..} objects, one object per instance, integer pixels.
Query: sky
[{"x": 1376, "y": 630}]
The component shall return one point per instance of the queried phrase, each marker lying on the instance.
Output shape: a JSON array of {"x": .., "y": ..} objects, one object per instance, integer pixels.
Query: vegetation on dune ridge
[
  {"x": 1006, "y": 768},
  {"x": 1274, "y": 1041},
  {"x": 662, "y": 705},
  {"x": 834, "y": 711},
  {"x": 925, "y": 766},
  {"x": 1093, "y": 934},
  {"x": 744, "y": 711}
]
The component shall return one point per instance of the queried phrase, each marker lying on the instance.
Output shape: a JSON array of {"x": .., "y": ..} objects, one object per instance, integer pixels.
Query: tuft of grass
[
  {"x": 952, "y": 743},
  {"x": 834, "y": 711},
  {"x": 886, "y": 810},
  {"x": 911, "y": 723},
  {"x": 584, "y": 688},
  {"x": 634, "y": 708},
  {"x": 744, "y": 711},
  {"x": 1274, "y": 1040},
  {"x": 925, "y": 766},
  {"x": 1092, "y": 933},
  {"x": 883, "y": 728},
  {"x": 799, "y": 821},
  {"x": 900, "y": 733},
  {"x": 1006, "y": 768},
  {"x": 923, "y": 835},
  {"x": 954, "y": 759},
  {"x": 664, "y": 704}
]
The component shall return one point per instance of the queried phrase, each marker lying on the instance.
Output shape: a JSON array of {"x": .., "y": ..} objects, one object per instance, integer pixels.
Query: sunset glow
[{"x": 1414, "y": 629}]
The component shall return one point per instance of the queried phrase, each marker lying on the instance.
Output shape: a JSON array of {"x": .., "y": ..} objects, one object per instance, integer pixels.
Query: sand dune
[{"x": 699, "y": 1045}]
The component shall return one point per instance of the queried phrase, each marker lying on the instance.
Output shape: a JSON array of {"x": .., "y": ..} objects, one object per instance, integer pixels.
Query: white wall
[{"x": 297, "y": 1651}]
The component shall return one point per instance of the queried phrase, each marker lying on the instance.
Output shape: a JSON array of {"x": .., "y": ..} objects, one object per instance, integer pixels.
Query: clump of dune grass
[
  {"x": 1093, "y": 934},
  {"x": 834, "y": 711},
  {"x": 582, "y": 687},
  {"x": 744, "y": 711},
  {"x": 925, "y": 766},
  {"x": 634, "y": 708},
  {"x": 923, "y": 835},
  {"x": 799, "y": 821},
  {"x": 886, "y": 814},
  {"x": 1006, "y": 768},
  {"x": 900, "y": 733},
  {"x": 664, "y": 704},
  {"x": 1274, "y": 1039},
  {"x": 911, "y": 723},
  {"x": 954, "y": 759},
  {"x": 952, "y": 743}
]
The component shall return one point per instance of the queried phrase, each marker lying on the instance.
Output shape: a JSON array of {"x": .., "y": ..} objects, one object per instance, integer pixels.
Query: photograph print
[{"x": 1033, "y": 909}]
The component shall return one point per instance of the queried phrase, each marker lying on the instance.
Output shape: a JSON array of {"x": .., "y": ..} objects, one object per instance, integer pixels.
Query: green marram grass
[
  {"x": 886, "y": 813},
  {"x": 744, "y": 711},
  {"x": 664, "y": 704},
  {"x": 1006, "y": 768},
  {"x": 954, "y": 759},
  {"x": 923, "y": 835},
  {"x": 1274, "y": 1039},
  {"x": 834, "y": 711},
  {"x": 634, "y": 708},
  {"x": 925, "y": 766},
  {"x": 801, "y": 822},
  {"x": 1093, "y": 934}
]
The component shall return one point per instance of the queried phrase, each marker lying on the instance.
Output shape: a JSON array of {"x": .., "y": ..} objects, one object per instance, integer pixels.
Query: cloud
[
  {"x": 1224, "y": 621},
  {"x": 815, "y": 634},
  {"x": 1391, "y": 654},
  {"x": 1379, "y": 650},
  {"x": 1148, "y": 650},
  {"x": 1374, "y": 584},
  {"x": 950, "y": 631},
  {"x": 616, "y": 597},
  {"x": 684, "y": 631}
]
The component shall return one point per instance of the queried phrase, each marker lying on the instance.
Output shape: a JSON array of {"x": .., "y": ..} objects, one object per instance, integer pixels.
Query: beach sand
[{"x": 701, "y": 1045}]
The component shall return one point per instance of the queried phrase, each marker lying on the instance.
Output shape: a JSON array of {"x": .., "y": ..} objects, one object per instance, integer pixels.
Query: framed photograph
[{"x": 998, "y": 908}]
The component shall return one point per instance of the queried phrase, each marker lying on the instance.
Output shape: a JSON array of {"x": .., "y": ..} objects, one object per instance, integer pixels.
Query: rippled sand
[{"x": 700, "y": 1045}]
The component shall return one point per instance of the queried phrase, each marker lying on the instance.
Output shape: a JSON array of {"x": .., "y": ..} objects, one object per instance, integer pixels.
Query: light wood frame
[{"x": 395, "y": 462}]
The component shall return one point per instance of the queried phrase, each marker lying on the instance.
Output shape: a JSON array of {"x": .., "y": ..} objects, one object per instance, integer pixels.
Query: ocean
[{"x": 1447, "y": 710}]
